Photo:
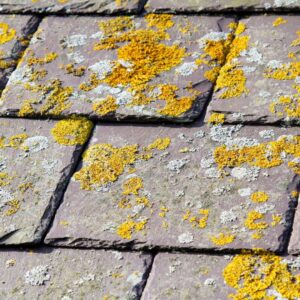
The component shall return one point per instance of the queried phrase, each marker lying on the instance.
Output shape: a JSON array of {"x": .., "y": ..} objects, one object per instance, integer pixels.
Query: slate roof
[{"x": 149, "y": 150}]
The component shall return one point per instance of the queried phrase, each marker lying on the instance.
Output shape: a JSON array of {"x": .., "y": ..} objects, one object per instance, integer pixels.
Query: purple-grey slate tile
[
  {"x": 267, "y": 89},
  {"x": 34, "y": 173},
  {"x": 250, "y": 276},
  {"x": 181, "y": 197},
  {"x": 221, "y": 5},
  {"x": 151, "y": 72},
  {"x": 15, "y": 34},
  {"x": 72, "y": 6},
  {"x": 294, "y": 244},
  {"x": 48, "y": 273}
]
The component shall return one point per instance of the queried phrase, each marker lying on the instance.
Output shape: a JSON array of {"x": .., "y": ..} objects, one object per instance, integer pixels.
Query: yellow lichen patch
[
  {"x": 296, "y": 42},
  {"x": 159, "y": 144},
  {"x": 160, "y": 21},
  {"x": 259, "y": 197},
  {"x": 196, "y": 221},
  {"x": 216, "y": 118},
  {"x": 104, "y": 164},
  {"x": 23, "y": 187},
  {"x": 288, "y": 71},
  {"x": 49, "y": 57},
  {"x": 5, "y": 179},
  {"x": 251, "y": 221},
  {"x": 132, "y": 186},
  {"x": 105, "y": 106},
  {"x": 72, "y": 132},
  {"x": 265, "y": 155},
  {"x": 223, "y": 239},
  {"x": 79, "y": 71},
  {"x": 14, "y": 206},
  {"x": 163, "y": 212},
  {"x": 6, "y": 33},
  {"x": 119, "y": 24},
  {"x": 126, "y": 229},
  {"x": 279, "y": 21},
  {"x": 276, "y": 219},
  {"x": 295, "y": 166},
  {"x": 295, "y": 194},
  {"x": 17, "y": 140},
  {"x": 254, "y": 275}
]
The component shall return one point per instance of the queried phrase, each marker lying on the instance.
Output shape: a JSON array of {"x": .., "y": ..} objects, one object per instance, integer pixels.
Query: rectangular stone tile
[
  {"x": 182, "y": 187},
  {"x": 72, "y": 6},
  {"x": 222, "y": 5},
  {"x": 245, "y": 276},
  {"x": 119, "y": 68},
  {"x": 294, "y": 244},
  {"x": 36, "y": 161},
  {"x": 15, "y": 32},
  {"x": 260, "y": 82},
  {"x": 72, "y": 274}
]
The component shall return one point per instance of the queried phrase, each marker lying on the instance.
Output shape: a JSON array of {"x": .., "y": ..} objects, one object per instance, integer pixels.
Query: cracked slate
[
  {"x": 34, "y": 172},
  {"x": 72, "y": 274},
  {"x": 273, "y": 51},
  {"x": 71, "y": 6},
  {"x": 181, "y": 200},
  {"x": 222, "y": 5},
  {"x": 98, "y": 90},
  {"x": 15, "y": 35},
  {"x": 294, "y": 244},
  {"x": 204, "y": 277}
]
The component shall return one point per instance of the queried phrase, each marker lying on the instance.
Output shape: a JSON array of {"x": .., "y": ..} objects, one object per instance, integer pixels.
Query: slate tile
[
  {"x": 260, "y": 83},
  {"x": 222, "y": 5},
  {"x": 72, "y": 274},
  {"x": 294, "y": 244},
  {"x": 189, "y": 187},
  {"x": 119, "y": 68},
  {"x": 15, "y": 33},
  {"x": 244, "y": 276},
  {"x": 71, "y": 6},
  {"x": 37, "y": 158}
]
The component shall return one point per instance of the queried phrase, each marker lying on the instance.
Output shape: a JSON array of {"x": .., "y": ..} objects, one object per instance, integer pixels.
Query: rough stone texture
[
  {"x": 221, "y": 5},
  {"x": 294, "y": 244},
  {"x": 181, "y": 276},
  {"x": 72, "y": 274},
  {"x": 190, "y": 201},
  {"x": 71, "y": 6},
  {"x": 14, "y": 37},
  {"x": 34, "y": 172},
  {"x": 153, "y": 95},
  {"x": 265, "y": 100}
]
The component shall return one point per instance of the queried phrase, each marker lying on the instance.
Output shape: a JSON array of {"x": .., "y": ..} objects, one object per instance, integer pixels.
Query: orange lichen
[
  {"x": 126, "y": 229},
  {"x": 196, "y": 221},
  {"x": 223, "y": 239},
  {"x": 160, "y": 21},
  {"x": 49, "y": 57},
  {"x": 253, "y": 275},
  {"x": 279, "y": 21},
  {"x": 251, "y": 221},
  {"x": 132, "y": 186},
  {"x": 276, "y": 219},
  {"x": 6, "y": 33},
  {"x": 159, "y": 144},
  {"x": 72, "y": 132},
  {"x": 259, "y": 197},
  {"x": 216, "y": 118},
  {"x": 105, "y": 106}
]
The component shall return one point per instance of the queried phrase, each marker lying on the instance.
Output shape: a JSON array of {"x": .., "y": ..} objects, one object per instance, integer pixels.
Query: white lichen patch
[
  {"x": 185, "y": 238},
  {"x": 228, "y": 217},
  {"x": 212, "y": 36},
  {"x": 38, "y": 275},
  {"x": 102, "y": 68},
  {"x": 187, "y": 68},
  {"x": 36, "y": 143},
  {"x": 75, "y": 40},
  {"x": 249, "y": 174},
  {"x": 177, "y": 164},
  {"x": 5, "y": 197},
  {"x": 245, "y": 192},
  {"x": 267, "y": 134}
]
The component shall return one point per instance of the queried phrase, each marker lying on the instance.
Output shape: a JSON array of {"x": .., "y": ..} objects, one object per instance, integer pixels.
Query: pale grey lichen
[
  {"x": 228, "y": 216},
  {"x": 36, "y": 143},
  {"x": 102, "y": 68},
  {"x": 38, "y": 275},
  {"x": 185, "y": 238},
  {"x": 177, "y": 164},
  {"x": 267, "y": 134},
  {"x": 187, "y": 68},
  {"x": 74, "y": 40}
]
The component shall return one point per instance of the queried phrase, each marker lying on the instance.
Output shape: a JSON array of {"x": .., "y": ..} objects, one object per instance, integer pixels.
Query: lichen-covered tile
[
  {"x": 72, "y": 274},
  {"x": 294, "y": 244},
  {"x": 260, "y": 82},
  {"x": 255, "y": 275},
  {"x": 222, "y": 5},
  {"x": 72, "y": 6},
  {"x": 182, "y": 187},
  {"x": 36, "y": 161},
  {"x": 146, "y": 68},
  {"x": 15, "y": 32}
]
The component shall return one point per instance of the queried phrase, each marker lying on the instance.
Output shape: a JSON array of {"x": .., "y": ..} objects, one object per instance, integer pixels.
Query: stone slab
[
  {"x": 294, "y": 244},
  {"x": 267, "y": 73},
  {"x": 222, "y": 5},
  {"x": 15, "y": 33},
  {"x": 72, "y": 6},
  {"x": 34, "y": 172},
  {"x": 49, "y": 273},
  {"x": 176, "y": 187},
  {"x": 142, "y": 69},
  {"x": 223, "y": 277}
]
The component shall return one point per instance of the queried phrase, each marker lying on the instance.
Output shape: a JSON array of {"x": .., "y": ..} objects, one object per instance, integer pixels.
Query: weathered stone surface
[
  {"x": 71, "y": 6},
  {"x": 180, "y": 187},
  {"x": 119, "y": 68},
  {"x": 294, "y": 245},
  {"x": 250, "y": 276},
  {"x": 72, "y": 274},
  {"x": 14, "y": 37},
  {"x": 34, "y": 171},
  {"x": 260, "y": 83},
  {"x": 222, "y": 5}
]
